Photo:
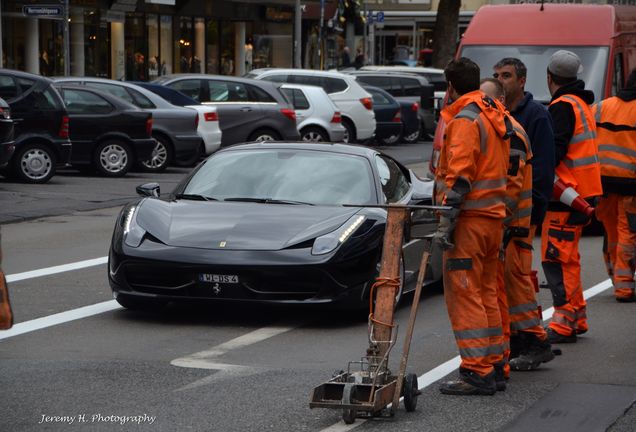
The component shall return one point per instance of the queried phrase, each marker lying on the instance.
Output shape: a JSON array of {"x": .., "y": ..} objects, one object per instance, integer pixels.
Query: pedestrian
[
  {"x": 529, "y": 346},
  {"x": 616, "y": 128},
  {"x": 471, "y": 179},
  {"x": 359, "y": 60},
  {"x": 346, "y": 57},
  {"x": 577, "y": 166}
]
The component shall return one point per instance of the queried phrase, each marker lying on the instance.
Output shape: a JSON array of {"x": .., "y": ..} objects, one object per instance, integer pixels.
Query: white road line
[
  {"x": 449, "y": 366},
  {"x": 56, "y": 269},
  {"x": 59, "y": 318}
]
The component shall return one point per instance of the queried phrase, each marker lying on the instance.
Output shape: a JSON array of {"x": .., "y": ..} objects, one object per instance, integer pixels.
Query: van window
[
  {"x": 8, "y": 88},
  {"x": 223, "y": 91},
  {"x": 411, "y": 87},
  {"x": 375, "y": 81},
  {"x": 296, "y": 97},
  {"x": 189, "y": 87},
  {"x": 306, "y": 80},
  {"x": 536, "y": 59}
]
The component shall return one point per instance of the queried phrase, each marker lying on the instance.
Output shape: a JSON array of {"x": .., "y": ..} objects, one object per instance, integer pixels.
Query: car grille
[{"x": 254, "y": 283}]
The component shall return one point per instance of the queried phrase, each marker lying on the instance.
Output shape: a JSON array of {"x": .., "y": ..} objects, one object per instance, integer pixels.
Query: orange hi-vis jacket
[
  {"x": 616, "y": 137},
  {"x": 580, "y": 167},
  {"x": 519, "y": 187},
  {"x": 475, "y": 149}
]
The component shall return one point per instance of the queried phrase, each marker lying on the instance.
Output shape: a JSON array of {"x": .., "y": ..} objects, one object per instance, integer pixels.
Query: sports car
[{"x": 269, "y": 222}]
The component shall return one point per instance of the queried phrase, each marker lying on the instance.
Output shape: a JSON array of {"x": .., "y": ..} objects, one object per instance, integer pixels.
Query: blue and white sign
[
  {"x": 43, "y": 11},
  {"x": 379, "y": 17}
]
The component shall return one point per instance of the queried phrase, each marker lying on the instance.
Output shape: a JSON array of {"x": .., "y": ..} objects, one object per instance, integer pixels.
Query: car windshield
[
  {"x": 285, "y": 175},
  {"x": 536, "y": 59}
]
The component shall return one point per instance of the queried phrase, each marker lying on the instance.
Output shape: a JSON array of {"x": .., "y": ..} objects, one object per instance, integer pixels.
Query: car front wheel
[
  {"x": 34, "y": 163},
  {"x": 113, "y": 158}
]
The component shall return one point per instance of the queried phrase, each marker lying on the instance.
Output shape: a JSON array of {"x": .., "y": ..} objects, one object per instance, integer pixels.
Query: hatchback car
[
  {"x": 7, "y": 145},
  {"x": 108, "y": 133},
  {"x": 354, "y": 103},
  {"x": 317, "y": 117},
  {"x": 41, "y": 126},
  {"x": 248, "y": 110},
  {"x": 267, "y": 222},
  {"x": 174, "y": 127}
]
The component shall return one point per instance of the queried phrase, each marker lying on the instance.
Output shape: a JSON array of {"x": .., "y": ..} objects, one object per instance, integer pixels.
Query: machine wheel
[
  {"x": 410, "y": 391},
  {"x": 348, "y": 395},
  {"x": 313, "y": 134},
  {"x": 161, "y": 156},
  {"x": 34, "y": 163},
  {"x": 264, "y": 135},
  {"x": 113, "y": 158}
]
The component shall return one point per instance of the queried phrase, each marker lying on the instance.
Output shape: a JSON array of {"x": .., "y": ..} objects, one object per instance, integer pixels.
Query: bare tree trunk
[{"x": 445, "y": 33}]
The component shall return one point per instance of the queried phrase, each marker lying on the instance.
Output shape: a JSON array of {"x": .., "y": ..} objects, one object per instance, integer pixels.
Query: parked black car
[
  {"x": 405, "y": 87},
  {"x": 396, "y": 121},
  {"x": 41, "y": 126},
  {"x": 7, "y": 145},
  {"x": 108, "y": 133}
]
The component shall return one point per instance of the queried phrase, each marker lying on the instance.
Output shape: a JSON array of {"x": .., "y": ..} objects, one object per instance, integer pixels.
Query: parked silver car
[
  {"x": 248, "y": 110},
  {"x": 317, "y": 117},
  {"x": 174, "y": 127}
]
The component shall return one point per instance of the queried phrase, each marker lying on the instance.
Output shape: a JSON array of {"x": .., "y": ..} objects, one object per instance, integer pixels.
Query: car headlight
[
  {"x": 133, "y": 233},
  {"x": 329, "y": 242}
]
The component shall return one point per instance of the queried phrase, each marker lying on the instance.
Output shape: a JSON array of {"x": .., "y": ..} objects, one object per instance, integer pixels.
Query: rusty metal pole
[{"x": 390, "y": 269}]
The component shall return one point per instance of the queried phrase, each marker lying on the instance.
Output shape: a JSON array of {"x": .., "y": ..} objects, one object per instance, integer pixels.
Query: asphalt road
[{"x": 234, "y": 368}]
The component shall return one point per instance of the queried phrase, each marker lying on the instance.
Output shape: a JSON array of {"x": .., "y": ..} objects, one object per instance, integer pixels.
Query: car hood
[{"x": 238, "y": 225}]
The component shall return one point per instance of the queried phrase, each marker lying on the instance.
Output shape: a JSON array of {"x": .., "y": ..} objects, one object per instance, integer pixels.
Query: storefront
[{"x": 142, "y": 40}]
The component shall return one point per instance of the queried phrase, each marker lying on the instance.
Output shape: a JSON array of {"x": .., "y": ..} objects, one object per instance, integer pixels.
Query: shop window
[
  {"x": 183, "y": 46},
  {"x": 212, "y": 46},
  {"x": 152, "y": 28},
  {"x": 136, "y": 47},
  {"x": 165, "y": 45}
]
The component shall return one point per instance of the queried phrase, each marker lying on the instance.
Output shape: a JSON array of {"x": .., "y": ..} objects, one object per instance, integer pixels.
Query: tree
[{"x": 445, "y": 33}]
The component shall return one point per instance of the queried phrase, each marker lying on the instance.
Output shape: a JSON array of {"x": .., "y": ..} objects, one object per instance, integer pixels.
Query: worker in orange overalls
[
  {"x": 471, "y": 178},
  {"x": 577, "y": 166},
  {"x": 616, "y": 136},
  {"x": 517, "y": 297}
]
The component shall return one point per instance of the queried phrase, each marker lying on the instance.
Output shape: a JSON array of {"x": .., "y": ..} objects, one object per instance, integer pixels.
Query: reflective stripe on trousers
[{"x": 470, "y": 291}]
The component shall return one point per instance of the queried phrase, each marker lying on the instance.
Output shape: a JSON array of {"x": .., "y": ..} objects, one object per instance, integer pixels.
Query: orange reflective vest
[
  {"x": 519, "y": 187},
  {"x": 616, "y": 137},
  {"x": 580, "y": 167},
  {"x": 475, "y": 149}
]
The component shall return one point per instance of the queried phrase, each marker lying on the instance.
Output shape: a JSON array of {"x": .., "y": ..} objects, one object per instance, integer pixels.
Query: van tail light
[
  {"x": 337, "y": 117},
  {"x": 289, "y": 113},
  {"x": 64, "y": 127},
  {"x": 211, "y": 116},
  {"x": 397, "y": 118},
  {"x": 367, "y": 102},
  {"x": 149, "y": 126},
  {"x": 415, "y": 107},
  {"x": 196, "y": 121}
]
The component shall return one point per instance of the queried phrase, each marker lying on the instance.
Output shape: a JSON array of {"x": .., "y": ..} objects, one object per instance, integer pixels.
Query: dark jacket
[
  {"x": 619, "y": 185},
  {"x": 536, "y": 121},
  {"x": 563, "y": 121}
]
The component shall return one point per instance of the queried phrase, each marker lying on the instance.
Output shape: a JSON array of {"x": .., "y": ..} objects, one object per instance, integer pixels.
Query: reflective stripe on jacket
[
  {"x": 475, "y": 148},
  {"x": 519, "y": 187},
  {"x": 616, "y": 137},
  {"x": 580, "y": 167}
]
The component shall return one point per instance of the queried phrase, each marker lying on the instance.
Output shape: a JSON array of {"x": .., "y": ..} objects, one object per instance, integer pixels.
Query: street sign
[
  {"x": 44, "y": 11},
  {"x": 379, "y": 17}
]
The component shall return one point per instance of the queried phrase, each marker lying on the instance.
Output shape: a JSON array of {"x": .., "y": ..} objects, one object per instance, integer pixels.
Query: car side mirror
[{"x": 149, "y": 190}]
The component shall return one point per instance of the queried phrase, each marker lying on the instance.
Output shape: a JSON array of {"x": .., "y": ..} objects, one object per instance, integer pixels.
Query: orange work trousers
[
  {"x": 561, "y": 264},
  {"x": 516, "y": 295},
  {"x": 617, "y": 213},
  {"x": 470, "y": 290}
]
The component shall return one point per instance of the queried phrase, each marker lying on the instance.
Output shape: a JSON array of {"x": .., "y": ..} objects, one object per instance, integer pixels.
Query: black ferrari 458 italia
[{"x": 267, "y": 222}]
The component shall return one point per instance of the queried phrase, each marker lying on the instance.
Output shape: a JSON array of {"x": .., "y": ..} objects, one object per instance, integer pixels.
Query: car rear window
[
  {"x": 296, "y": 97},
  {"x": 259, "y": 95},
  {"x": 378, "y": 98},
  {"x": 85, "y": 102},
  {"x": 334, "y": 85},
  {"x": 140, "y": 100},
  {"x": 412, "y": 87},
  {"x": 53, "y": 102},
  {"x": 25, "y": 83},
  {"x": 8, "y": 87}
]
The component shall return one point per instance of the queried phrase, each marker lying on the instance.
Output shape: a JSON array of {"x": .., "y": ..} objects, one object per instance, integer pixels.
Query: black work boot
[
  {"x": 555, "y": 338},
  {"x": 500, "y": 377},
  {"x": 628, "y": 299},
  {"x": 470, "y": 383},
  {"x": 534, "y": 353}
]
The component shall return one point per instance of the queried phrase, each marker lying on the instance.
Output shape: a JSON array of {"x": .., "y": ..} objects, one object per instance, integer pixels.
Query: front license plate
[{"x": 215, "y": 278}]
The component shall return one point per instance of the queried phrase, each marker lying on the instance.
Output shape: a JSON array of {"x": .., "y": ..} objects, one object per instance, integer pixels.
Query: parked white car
[
  {"x": 208, "y": 127},
  {"x": 354, "y": 103},
  {"x": 317, "y": 117}
]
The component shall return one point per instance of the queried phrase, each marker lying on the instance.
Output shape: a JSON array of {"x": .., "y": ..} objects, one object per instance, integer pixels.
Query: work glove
[{"x": 444, "y": 234}]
